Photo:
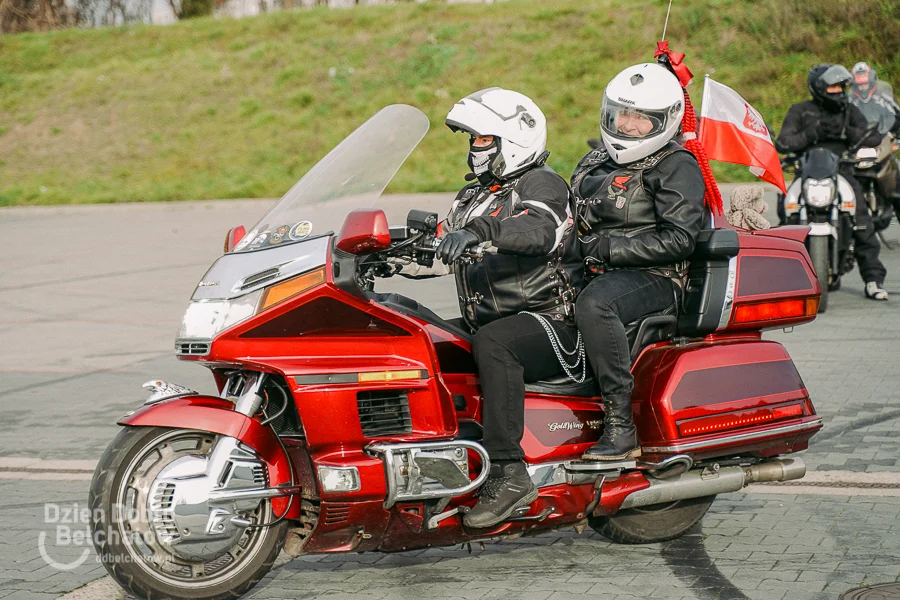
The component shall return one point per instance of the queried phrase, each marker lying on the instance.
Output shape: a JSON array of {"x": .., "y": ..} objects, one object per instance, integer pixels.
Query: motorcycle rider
[
  {"x": 519, "y": 298},
  {"x": 877, "y": 105},
  {"x": 640, "y": 210},
  {"x": 830, "y": 121}
]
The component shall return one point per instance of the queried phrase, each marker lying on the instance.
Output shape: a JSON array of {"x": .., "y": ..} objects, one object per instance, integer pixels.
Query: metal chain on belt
[{"x": 560, "y": 350}]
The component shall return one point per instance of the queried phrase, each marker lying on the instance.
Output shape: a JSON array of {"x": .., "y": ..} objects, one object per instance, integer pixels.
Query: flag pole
[
  {"x": 703, "y": 107},
  {"x": 666, "y": 25}
]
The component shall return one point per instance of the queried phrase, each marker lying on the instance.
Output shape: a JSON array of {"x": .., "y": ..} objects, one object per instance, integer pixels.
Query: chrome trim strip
[
  {"x": 741, "y": 437},
  {"x": 253, "y": 493},
  {"x": 729, "y": 293},
  {"x": 163, "y": 390}
]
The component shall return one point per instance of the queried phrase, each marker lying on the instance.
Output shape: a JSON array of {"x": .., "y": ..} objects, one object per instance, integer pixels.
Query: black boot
[
  {"x": 619, "y": 440},
  {"x": 507, "y": 488}
]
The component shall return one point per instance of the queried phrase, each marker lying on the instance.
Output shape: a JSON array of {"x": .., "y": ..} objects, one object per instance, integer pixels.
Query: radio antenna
[{"x": 666, "y": 26}]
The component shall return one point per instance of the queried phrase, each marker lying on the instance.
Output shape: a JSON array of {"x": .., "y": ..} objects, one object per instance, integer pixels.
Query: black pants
[
  {"x": 604, "y": 307},
  {"x": 866, "y": 246},
  {"x": 510, "y": 352}
]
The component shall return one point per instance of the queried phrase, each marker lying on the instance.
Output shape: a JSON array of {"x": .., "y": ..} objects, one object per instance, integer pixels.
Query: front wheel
[
  {"x": 818, "y": 252},
  {"x": 145, "y": 549},
  {"x": 652, "y": 524}
]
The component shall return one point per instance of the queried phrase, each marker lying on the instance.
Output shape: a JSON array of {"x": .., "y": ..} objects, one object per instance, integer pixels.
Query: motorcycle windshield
[
  {"x": 820, "y": 163},
  {"x": 877, "y": 111},
  {"x": 353, "y": 175}
]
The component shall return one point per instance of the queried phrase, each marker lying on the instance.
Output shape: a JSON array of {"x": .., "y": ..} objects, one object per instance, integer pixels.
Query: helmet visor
[
  {"x": 624, "y": 121},
  {"x": 836, "y": 75}
]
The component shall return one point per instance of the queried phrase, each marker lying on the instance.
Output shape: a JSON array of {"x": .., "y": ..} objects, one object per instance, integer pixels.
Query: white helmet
[
  {"x": 645, "y": 100},
  {"x": 510, "y": 116}
]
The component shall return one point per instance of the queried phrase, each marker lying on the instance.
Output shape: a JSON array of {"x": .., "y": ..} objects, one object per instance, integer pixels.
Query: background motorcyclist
[
  {"x": 830, "y": 121},
  {"x": 518, "y": 299},
  {"x": 877, "y": 104},
  {"x": 640, "y": 211}
]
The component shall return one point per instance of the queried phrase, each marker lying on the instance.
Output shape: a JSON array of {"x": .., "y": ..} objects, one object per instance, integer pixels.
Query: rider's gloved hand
[
  {"x": 454, "y": 244},
  {"x": 829, "y": 129}
]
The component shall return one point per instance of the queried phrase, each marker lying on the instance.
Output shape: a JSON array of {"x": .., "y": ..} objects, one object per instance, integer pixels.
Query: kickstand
[{"x": 889, "y": 244}]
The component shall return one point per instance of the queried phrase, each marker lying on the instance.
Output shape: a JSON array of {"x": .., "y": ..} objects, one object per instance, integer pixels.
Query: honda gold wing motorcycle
[{"x": 349, "y": 421}]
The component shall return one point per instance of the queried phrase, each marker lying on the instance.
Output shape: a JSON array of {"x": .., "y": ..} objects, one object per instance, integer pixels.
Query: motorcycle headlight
[
  {"x": 204, "y": 319},
  {"x": 818, "y": 192}
]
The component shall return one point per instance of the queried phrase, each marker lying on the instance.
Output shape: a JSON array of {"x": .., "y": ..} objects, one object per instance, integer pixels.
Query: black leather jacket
[
  {"x": 643, "y": 215},
  {"x": 807, "y": 125},
  {"x": 536, "y": 267}
]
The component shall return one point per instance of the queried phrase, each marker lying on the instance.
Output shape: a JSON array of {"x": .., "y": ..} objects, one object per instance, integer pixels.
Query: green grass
[{"x": 221, "y": 108}]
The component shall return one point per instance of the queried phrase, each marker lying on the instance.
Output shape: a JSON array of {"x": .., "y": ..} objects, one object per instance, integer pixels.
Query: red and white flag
[{"x": 733, "y": 131}]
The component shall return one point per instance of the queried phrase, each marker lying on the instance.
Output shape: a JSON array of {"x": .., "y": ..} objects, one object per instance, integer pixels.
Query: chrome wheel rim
[{"x": 133, "y": 521}]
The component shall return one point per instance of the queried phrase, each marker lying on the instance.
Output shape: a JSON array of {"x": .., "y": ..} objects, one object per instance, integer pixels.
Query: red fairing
[
  {"x": 207, "y": 413},
  {"x": 751, "y": 382},
  {"x": 365, "y": 230},
  {"x": 615, "y": 492}
]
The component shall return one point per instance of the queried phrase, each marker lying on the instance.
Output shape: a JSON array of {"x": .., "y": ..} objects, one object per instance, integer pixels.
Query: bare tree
[
  {"x": 36, "y": 15},
  {"x": 185, "y": 9}
]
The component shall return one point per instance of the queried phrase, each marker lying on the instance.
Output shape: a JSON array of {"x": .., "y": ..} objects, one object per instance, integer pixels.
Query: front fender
[{"x": 208, "y": 413}]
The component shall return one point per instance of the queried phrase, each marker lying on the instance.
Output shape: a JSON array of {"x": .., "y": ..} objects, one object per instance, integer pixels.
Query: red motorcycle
[{"x": 349, "y": 420}]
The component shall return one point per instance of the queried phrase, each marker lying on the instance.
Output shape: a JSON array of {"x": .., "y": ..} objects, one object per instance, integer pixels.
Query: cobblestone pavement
[
  {"x": 749, "y": 546},
  {"x": 81, "y": 327}
]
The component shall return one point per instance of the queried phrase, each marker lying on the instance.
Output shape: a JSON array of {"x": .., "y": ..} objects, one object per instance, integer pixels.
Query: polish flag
[{"x": 732, "y": 131}]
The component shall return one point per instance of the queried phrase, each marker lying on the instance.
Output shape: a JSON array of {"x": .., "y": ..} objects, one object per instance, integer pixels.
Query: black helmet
[
  {"x": 823, "y": 76},
  {"x": 865, "y": 80}
]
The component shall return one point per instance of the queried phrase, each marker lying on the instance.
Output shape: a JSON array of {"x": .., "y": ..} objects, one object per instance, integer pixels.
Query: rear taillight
[
  {"x": 760, "y": 312},
  {"x": 734, "y": 420}
]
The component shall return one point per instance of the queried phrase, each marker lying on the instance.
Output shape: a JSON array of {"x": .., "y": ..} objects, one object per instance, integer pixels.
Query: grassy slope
[{"x": 240, "y": 108}]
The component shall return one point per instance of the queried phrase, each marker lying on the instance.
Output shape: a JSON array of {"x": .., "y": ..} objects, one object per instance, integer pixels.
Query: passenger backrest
[{"x": 708, "y": 282}]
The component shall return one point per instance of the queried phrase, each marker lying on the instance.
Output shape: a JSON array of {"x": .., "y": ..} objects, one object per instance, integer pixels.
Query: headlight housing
[
  {"x": 204, "y": 319},
  {"x": 819, "y": 192}
]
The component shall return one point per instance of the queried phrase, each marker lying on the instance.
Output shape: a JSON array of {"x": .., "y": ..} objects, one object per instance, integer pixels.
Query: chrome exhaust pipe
[{"x": 714, "y": 480}]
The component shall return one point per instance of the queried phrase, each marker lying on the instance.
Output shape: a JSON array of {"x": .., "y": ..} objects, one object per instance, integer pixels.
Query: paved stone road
[{"x": 90, "y": 298}]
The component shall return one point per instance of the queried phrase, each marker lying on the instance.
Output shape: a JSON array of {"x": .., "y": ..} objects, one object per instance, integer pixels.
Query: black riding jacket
[
  {"x": 645, "y": 215},
  {"x": 804, "y": 122},
  {"x": 535, "y": 267}
]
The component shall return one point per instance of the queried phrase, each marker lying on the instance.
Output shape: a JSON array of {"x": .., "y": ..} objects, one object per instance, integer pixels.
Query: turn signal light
[
  {"x": 287, "y": 289},
  {"x": 739, "y": 419},
  {"x": 774, "y": 311}
]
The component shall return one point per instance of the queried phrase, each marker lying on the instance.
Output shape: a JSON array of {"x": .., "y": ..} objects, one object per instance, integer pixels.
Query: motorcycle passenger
[
  {"x": 519, "y": 298},
  {"x": 830, "y": 121},
  {"x": 640, "y": 211}
]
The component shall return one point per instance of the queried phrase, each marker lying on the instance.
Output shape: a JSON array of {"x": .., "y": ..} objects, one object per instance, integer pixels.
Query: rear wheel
[
  {"x": 818, "y": 252},
  {"x": 651, "y": 524}
]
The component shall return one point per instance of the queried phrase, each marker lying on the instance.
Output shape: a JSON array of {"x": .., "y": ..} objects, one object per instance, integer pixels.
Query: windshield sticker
[
  {"x": 301, "y": 230},
  {"x": 245, "y": 241},
  {"x": 260, "y": 239},
  {"x": 278, "y": 236}
]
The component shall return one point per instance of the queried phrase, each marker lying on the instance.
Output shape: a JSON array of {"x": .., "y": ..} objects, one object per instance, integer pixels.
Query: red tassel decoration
[{"x": 712, "y": 198}]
